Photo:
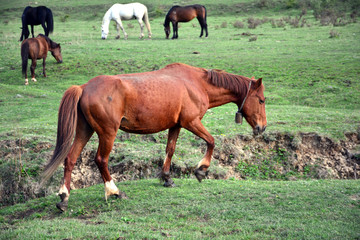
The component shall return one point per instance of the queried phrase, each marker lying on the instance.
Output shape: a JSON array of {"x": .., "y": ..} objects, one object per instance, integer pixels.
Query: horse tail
[
  {"x": 146, "y": 20},
  {"x": 25, "y": 30},
  {"x": 49, "y": 20},
  {"x": 25, "y": 56},
  {"x": 67, "y": 121},
  {"x": 205, "y": 12}
]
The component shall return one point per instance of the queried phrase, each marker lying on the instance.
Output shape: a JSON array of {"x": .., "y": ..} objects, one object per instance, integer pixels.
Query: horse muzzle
[{"x": 258, "y": 130}]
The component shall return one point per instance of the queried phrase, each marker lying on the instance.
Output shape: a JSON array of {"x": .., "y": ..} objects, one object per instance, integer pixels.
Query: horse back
[
  {"x": 34, "y": 15},
  {"x": 144, "y": 102},
  {"x": 186, "y": 13},
  {"x": 37, "y": 47}
]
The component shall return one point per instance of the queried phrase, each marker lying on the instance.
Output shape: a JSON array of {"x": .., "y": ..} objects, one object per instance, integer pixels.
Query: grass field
[
  {"x": 210, "y": 210},
  {"x": 311, "y": 79},
  {"x": 312, "y": 85}
]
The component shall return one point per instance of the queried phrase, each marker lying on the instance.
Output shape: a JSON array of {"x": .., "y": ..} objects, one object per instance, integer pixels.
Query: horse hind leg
[
  {"x": 32, "y": 69},
  {"x": 46, "y": 30},
  {"x": 106, "y": 142},
  {"x": 32, "y": 30},
  {"x": 141, "y": 23},
  {"x": 83, "y": 134}
]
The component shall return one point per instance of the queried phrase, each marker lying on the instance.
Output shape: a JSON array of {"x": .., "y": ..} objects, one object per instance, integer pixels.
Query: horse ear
[{"x": 258, "y": 83}]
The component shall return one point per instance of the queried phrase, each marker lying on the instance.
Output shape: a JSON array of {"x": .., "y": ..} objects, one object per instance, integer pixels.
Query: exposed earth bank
[{"x": 271, "y": 156}]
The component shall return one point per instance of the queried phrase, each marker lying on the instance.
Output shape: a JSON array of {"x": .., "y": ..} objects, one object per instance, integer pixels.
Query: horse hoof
[
  {"x": 26, "y": 82},
  {"x": 169, "y": 183},
  {"x": 122, "y": 195},
  {"x": 34, "y": 80},
  {"x": 62, "y": 206},
  {"x": 117, "y": 37},
  {"x": 200, "y": 174}
]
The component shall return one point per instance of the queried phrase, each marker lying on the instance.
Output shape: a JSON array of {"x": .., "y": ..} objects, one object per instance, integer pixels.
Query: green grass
[
  {"x": 312, "y": 85},
  {"x": 311, "y": 80},
  {"x": 215, "y": 209}
]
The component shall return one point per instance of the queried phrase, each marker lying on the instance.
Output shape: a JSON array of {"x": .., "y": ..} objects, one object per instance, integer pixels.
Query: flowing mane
[{"x": 235, "y": 83}]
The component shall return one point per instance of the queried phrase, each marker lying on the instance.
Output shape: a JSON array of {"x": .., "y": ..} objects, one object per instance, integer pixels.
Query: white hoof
[
  {"x": 33, "y": 79},
  {"x": 26, "y": 81}
]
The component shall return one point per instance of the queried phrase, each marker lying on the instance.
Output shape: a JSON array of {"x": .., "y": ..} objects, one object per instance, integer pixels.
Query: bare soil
[{"x": 21, "y": 162}]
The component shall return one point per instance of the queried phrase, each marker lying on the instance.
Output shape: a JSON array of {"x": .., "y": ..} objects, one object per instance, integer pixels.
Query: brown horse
[
  {"x": 185, "y": 14},
  {"x": 174, "y": 97},
  {"x": 37, "y": 48}
]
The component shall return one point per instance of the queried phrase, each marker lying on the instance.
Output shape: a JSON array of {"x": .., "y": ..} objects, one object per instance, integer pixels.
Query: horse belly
[{"x": 145, "y": 120}]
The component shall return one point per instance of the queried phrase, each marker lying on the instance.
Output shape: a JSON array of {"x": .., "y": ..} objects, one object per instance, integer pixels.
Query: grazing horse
[
  {"x": 129, "y": 11},
  {"x": 185, "y": 14},
  {"x": 174, "y": 97},
  {"x": 37, "y": 48},
  {"x": 36, "y": 16}
]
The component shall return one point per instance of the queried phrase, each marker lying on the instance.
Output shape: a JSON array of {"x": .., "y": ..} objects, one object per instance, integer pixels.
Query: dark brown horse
[
  {"x": 37, "y": 48},
  {"x": 185, "y": 14},
  {"x": 174, "y": 97},
  {"x": 36, "y": 16}
]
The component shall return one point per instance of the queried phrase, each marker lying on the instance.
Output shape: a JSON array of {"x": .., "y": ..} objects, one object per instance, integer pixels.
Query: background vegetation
[{"x": 307, "y": 52}]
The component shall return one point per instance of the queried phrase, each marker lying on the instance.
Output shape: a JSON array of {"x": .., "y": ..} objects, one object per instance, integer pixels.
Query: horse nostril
[{"x": 264, "y": 128}]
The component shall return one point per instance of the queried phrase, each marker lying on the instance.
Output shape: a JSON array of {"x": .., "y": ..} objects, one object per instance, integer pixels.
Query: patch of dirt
[
  {"x": 328, "y": 159},
  {"x": 21, "y": 162}
]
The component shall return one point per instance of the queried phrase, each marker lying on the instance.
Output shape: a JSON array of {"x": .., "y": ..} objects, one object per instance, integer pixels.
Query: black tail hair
[
  {"x": 24, "y": 56},
  {"x": 49, "y": 20}
]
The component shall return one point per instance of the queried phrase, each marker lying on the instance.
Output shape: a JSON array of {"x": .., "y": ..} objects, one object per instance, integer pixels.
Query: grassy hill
[{"x": 310, "y": 68}]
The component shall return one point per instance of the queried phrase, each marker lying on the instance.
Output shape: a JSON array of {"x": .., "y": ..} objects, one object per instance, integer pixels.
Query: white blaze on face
[{"x": 111, "y": 189}]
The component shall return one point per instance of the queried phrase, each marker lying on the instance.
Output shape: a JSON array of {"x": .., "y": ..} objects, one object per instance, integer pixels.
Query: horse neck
[
  {"x": 221, "y": 88},
  {"x": 219, "y": 96},
  {"x": 106, "y": 20},
  {"x": 167, "y": 21}
]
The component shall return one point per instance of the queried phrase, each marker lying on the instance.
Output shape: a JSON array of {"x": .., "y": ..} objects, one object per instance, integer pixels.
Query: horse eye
[{"x": 261, "y": 101}]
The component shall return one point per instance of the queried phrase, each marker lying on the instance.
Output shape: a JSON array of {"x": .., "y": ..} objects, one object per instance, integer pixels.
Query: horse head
[
  {"x": 104, "y": 32},
  {"x": 167, "y": 30},
  {"x": 56, "y": 53},
  {"x": 253, "y": 107}
]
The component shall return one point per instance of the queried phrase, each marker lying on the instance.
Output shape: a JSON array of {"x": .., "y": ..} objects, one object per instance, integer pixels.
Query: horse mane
[
  {"x": 51, "y": 43},
  {"x": 235, "y": 83}
]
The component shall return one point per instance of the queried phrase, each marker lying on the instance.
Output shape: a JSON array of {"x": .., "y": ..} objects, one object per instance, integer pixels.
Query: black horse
[
  {"x": 185, "y": 14},
  {"x": 36, "y": 16}
]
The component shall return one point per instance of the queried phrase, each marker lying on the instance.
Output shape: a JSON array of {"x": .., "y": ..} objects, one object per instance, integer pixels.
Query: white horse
[{"x": 120, "y": 12}]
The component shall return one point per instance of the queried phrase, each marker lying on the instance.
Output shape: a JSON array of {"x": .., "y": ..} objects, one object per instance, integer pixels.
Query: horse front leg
[
  {"x": 119, "y": 26},
  {"x": 44, "y": 66},
  {"x": 198, "y": 129},
  {"x": 83, "y": 134},
  {"x": 170, "y": 149},
  {"x": 201, "y": 22}
]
